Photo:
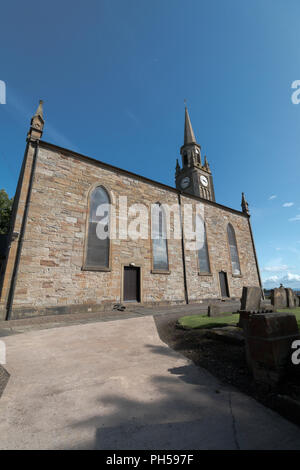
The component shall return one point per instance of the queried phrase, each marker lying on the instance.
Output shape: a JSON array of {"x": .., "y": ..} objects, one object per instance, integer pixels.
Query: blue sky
[{"x": 114, "y": 74}]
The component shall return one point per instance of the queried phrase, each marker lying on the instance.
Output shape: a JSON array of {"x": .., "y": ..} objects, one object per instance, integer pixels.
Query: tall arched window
[
  {"x": 98, "y": 241},
  {"x": 203, "y": 257},
  {"x": 159, "y": 239},
  {"x": 234, "y": 255}
]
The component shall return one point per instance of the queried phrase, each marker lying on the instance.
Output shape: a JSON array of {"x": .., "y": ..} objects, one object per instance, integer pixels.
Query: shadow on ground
[
  {"x": 162, "y": 423},
  {"x": 203, "y": 415},
  {"x": 4, "y": 378}
]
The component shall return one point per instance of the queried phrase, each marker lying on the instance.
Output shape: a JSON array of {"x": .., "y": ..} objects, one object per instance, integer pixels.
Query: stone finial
[
  {"x": 245, "y": 206},
  {"x": 177, "y": 166},
  {"x": 206, "y": 165},
  {"x": 39, "y": 111},
  {"x": 37, "y": 124}
]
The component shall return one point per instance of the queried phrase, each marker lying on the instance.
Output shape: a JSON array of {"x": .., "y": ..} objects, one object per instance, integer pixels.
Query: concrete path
[{"x": 115, "y": 385}]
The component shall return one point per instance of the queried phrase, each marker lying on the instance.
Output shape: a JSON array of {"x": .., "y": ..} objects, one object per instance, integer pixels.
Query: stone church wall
[{"x": 50, "y": 276}]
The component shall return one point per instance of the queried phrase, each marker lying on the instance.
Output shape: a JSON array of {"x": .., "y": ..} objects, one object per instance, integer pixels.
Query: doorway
[
  {"x": 224, "y": 284},
  {"x": 132, "y": 283}
]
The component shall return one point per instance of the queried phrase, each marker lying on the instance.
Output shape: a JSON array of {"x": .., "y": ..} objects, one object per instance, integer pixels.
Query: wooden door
[
  {"x": 131, "y": 284},
  {"x": 224, "y": 284}
]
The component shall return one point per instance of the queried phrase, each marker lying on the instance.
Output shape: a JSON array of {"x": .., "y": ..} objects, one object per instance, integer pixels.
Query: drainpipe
[
  {"x": 183, "y": 252},
  {"x": 21, "y": 237}
]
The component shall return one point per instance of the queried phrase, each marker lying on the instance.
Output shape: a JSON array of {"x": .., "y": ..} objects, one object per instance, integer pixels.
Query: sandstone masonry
[{"x": 45, "y": 263}]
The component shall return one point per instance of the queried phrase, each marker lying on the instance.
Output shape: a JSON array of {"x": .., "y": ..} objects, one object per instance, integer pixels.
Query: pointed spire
[
  {"x": 39, "y": 111},
  {"x": 189, "y": 137},
  {"x": 245, "y": 207}
]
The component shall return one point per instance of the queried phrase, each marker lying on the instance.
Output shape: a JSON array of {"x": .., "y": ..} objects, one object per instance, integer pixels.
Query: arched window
[
  {"x": 234, "y": 255},
  {"x": 98, "y": 241},
  {"x": 203, "y": 257},
  {"x": 159, "y": 239}
]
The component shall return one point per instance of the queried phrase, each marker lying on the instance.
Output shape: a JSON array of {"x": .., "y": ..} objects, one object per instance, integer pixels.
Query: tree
[{"x": 5, "y": 212}]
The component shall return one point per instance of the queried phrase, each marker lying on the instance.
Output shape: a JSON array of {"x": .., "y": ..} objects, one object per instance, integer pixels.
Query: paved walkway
[
  {"x": 11, "y": 327},
  {"x": 115, "y": 385}
]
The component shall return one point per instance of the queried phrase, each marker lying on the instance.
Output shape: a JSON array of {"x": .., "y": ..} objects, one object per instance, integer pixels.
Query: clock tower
[{"x": 194, "y": 177}]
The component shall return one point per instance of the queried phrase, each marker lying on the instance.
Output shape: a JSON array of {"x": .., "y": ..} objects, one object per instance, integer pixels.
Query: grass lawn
[
  {"x": 203, "y": 321},
  {"x": 295, "y": 311}
]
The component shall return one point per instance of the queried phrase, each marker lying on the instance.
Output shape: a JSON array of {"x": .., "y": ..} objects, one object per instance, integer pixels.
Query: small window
[
  {"x": 203, "y": 257},
  {"x": 98, "y": 241},
  {"x": 234, "y": 256},
  {"x": 159, "y": 239}
]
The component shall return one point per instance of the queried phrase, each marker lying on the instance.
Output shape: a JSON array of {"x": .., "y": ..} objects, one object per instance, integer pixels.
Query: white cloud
[
  {"x": 293, "y": 219},
  {"x": 272, "y": 197},
  {"x": 271, "y": 279},
  {"x": 288, "y": 204},
  {"x": 292, "y": 277},
  {"x": 288, "y": 280},
  {"x": 275, "y": 269}
]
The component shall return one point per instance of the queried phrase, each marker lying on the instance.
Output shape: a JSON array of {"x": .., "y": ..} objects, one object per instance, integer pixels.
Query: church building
[{"x": 58, "y": 259}]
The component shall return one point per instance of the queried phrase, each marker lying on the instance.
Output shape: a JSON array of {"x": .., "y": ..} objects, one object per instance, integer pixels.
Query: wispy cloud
[
  {"x": 20, "y": 110},
  {"x": 271, "y": 279},
  {"x": 133, "y": 117},
  {"x": 279, "y": 268},
  {"x": 288, "y": 204},
  {"x": 294, "y": 219},
  {"x": 272, "y": 197}
]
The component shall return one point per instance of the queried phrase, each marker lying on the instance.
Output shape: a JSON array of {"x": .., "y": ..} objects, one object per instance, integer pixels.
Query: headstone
[
  {"x": 215, "y": 310},
  {"x": 268, "y": 339},
  {"x": 290, "y": 298},
  {"x": 244, "y": 316},
  {"x": 251, "y": 299},
  {"x": 279, "y": 298}
]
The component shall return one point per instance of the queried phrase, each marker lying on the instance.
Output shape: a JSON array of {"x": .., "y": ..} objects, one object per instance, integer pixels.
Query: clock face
[
  {"x": 204, "y": 180},
  {"x": 184, "y": 183}
]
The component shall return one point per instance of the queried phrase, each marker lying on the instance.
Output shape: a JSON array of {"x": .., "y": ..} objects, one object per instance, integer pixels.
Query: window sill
[
  {"x": 93, "y": 268},
  {"x": 157, "y": 271},
  {"x": 205, "y": 274}
]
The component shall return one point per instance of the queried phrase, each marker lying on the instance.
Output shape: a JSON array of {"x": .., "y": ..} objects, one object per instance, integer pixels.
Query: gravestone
[
  {"x": 279, "y": 298},
  {"x": 251, "y": 299},
  {"x": 268, "y": 340},
  {"x": 215, "y": 310},
  {"x": 290, "y": 298}
]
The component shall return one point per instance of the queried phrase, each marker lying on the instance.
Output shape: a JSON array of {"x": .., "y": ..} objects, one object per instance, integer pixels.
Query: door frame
[
  {"x": 229, "y": 293},
  {"x": 128, "y": 265}
]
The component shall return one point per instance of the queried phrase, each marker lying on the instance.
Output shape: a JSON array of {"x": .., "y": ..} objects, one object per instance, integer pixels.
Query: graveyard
[{"x": 250, "y": 349}]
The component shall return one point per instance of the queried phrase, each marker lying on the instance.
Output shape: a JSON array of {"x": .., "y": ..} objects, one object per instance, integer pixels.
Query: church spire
[
  {"x": 193, "y": 178},
  {"x": 189, "y": 136}
]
